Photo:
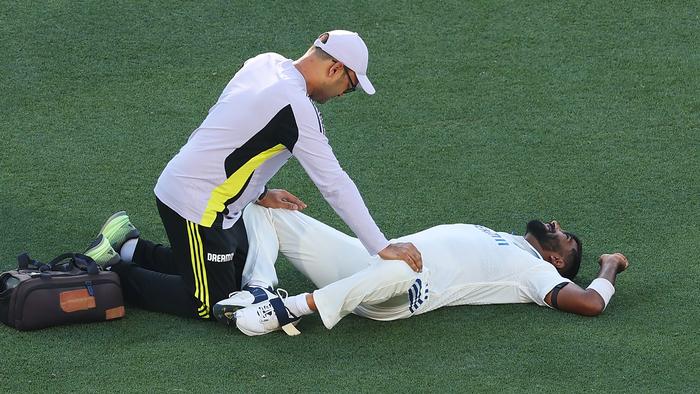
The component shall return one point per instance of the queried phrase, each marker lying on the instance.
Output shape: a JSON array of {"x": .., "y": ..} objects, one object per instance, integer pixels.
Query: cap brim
[{"x": 365, "y": 84}]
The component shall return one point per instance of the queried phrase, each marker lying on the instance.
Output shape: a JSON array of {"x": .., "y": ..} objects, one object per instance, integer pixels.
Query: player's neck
[
  {"x": 534, "y": 243},
  {"x": 305, "y": 66}
]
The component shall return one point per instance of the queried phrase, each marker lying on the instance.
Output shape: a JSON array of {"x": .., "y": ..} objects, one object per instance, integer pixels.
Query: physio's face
[{"x": 550, "y": 235}]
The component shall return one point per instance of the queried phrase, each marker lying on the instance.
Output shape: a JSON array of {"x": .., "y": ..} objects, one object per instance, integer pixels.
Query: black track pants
[{"x": 201, "y": 267}]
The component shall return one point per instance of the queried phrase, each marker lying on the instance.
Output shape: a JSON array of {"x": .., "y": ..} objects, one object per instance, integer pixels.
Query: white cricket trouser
[{"x": 350, "y": 280}]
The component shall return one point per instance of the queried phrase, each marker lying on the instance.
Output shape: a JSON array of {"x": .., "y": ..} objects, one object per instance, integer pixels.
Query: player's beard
[{"x": 544, "y": 237}]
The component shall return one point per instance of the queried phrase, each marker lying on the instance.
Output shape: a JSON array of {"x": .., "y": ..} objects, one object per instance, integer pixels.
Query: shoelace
[
  {"x": 280, "y": 292},
  {"x": 266, "y": 310}
]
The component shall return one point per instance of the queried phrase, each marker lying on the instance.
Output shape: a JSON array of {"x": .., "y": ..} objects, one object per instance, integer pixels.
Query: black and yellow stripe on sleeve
[
  {"x": 235, "y": 184},
  {"x": 280, "y": 133},
  {"x": 199, "y": 270}
]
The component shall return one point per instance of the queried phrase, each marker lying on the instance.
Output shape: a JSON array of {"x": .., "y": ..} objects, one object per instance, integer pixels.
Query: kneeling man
[{"x": 463, "y": 264}]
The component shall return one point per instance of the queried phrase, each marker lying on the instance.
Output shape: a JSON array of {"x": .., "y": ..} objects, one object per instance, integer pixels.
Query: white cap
[{"x": 348, "y": 48}]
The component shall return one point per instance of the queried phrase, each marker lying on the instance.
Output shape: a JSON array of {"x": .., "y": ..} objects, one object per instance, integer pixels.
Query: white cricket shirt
[
  {"x": 470, "y": 264},
  {"x": 262, "y": 118}
]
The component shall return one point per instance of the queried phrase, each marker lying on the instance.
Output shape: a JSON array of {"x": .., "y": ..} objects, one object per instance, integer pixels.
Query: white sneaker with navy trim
[
  {"x": 224, "y": 309},
  {"x": 268, "y": 316}
]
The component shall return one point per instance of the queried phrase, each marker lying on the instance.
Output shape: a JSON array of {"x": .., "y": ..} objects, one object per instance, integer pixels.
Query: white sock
[
  {"x": 128, "y": 249},
  {"x": 297, "y": 305}
]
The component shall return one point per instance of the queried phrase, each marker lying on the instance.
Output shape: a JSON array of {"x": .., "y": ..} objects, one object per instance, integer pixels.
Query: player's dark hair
[{"x": 573, "y": 258}]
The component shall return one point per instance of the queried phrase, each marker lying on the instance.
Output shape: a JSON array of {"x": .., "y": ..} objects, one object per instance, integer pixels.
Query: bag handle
[
  {"x": 78, "y": 260},
  {"x": 58, "y": 260},
  {"x": 81, "y": 260},
  {"x": 24, "y": 262}
]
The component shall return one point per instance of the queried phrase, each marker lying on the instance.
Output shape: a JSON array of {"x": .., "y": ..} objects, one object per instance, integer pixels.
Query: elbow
[
  {"x": 593, "y": 311},
  {"x": 593, "y": 306},
  {"x": 331, "y": 188}
]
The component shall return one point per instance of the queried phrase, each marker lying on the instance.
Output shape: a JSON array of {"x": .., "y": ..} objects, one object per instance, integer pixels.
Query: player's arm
[{"x": 592, "y": 300}]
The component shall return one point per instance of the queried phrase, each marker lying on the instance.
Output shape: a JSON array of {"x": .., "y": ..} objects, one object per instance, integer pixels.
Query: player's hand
[
  {"x": 405, "y": 251},
  {"x": 280, "y": 198},
  {"x": 617, "y": 259}
]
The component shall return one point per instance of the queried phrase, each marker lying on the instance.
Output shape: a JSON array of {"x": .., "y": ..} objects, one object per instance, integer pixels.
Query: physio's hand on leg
[
  {"x": 279, "y": 198},
  {"x": 405, "y": 251}
]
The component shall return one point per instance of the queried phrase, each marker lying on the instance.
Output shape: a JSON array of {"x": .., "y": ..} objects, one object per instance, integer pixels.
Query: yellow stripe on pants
[{"x": 201, "y": 291}]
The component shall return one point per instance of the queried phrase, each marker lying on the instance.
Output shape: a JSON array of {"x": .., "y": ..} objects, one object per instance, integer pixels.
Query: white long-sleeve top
[{"x": 262, "y": 118}]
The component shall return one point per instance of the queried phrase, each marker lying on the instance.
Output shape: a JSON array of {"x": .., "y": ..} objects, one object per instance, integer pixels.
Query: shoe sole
[
  {"x": 223, "y": 311},
  {"x": 225, "y": 314},
  {"x": 289, "y": 329},
  {"x": 227, "y": 305}
]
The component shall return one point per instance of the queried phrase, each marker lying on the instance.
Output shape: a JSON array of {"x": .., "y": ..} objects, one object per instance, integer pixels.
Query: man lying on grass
[{"x": 463, "y": 264}]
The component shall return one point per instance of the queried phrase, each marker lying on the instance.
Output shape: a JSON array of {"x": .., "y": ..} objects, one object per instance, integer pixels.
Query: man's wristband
[
  {"x": 263, "y": 194},
  {"x": 603, "y": 287}
]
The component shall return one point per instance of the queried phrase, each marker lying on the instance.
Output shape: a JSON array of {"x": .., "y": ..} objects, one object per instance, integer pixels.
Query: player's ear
[
  {"x": 335, "y": 69},
  {"x": 557, "y": 261}
]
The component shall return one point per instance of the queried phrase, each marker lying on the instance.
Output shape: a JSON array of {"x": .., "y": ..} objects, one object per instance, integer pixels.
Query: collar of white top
[
  {"x": 524, "y": 245},
  {"x": 287, "y": 68}
]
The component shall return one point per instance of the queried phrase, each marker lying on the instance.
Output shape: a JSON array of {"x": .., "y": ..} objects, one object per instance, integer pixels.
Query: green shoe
[
  {"x": 102, "y": 252},
  {"x": 118, "y": 229}
]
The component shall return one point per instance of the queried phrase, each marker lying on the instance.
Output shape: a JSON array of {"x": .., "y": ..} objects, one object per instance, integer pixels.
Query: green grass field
[{"x": 490, "y": 112}]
